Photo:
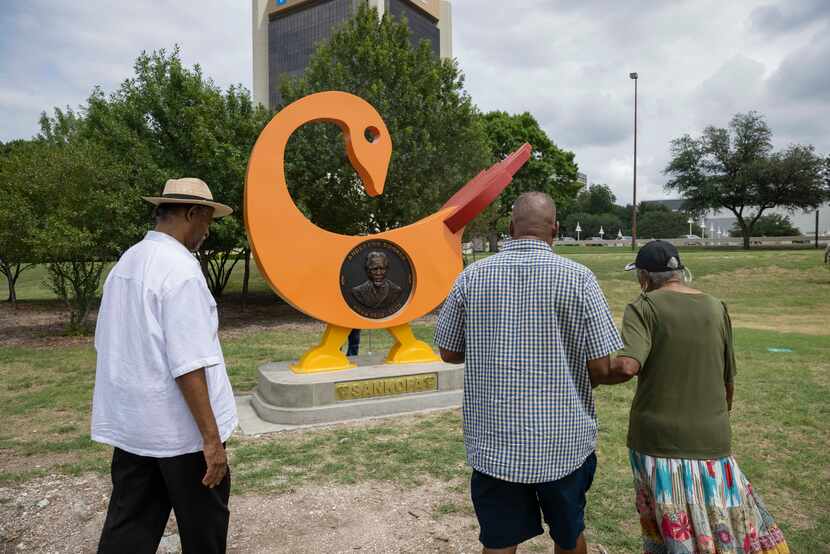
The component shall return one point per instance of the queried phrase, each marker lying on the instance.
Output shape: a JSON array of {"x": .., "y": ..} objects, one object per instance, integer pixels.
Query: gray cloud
[
  {"x": 736, "y": 86},
  {"x": 568, "y": 63},
  {"x": 789, "y": 16},
  {"x": 592, "y": 120},
  {"x": 804, "y": 74},
  {"x": 54, "y": 53}
]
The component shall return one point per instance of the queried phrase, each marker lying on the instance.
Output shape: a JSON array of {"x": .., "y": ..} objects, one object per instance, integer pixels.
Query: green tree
[
  {"x": 437, "y": 136},
  {"x": 23, "y": 207},
  {"x": 736, "y": 169},
  {"x": 591, "y": 225},
  {"x": 624, "y": 214},
  {"x": 171, "y": 121},
  {"x": 61, "y": 127},
  {"x": 596, "y": 199},
  {"x": 770, "y": 225},
  {"x": 549, "y": 169},
  {"x": 488, "y": 223},
  {"x": 79, "y": 219},
  {"x": 659, "y": 222},
  {"x": 19, "y": 213},
  {"x": 645, "y": 207}
]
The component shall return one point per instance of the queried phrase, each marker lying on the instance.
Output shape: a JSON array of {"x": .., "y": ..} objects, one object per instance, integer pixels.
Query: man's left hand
[{"x": 217, "y": 463}]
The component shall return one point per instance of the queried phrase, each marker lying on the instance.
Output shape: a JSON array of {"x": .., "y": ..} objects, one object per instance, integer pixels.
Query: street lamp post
[
  {"x": 578, "y": 230},
  {"x": 690, "y": 222},
  {"x": 634, "y": 76},
  {"x": 817, "y": 221},
  {"x": 601, "y": 233}
]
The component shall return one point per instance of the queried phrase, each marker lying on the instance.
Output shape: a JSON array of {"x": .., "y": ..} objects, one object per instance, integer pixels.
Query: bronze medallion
[{"x": 376, "y": 279}]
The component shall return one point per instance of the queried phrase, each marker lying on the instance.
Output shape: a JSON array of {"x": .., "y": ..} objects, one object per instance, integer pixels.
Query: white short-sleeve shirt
[{"x": 157, "y": 321}]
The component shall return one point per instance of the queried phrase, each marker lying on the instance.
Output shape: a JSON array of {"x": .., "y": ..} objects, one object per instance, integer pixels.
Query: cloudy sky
[{"x": 566, "y": 61}]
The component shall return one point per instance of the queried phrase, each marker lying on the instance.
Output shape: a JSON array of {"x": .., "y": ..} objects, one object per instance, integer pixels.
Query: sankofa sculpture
[{"x": 380, "y": 281}]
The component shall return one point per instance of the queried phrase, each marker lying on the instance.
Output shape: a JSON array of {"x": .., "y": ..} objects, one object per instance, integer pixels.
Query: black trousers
[
  {"x": 143, "y": 492},
  {"x": 354, "y": 343}
]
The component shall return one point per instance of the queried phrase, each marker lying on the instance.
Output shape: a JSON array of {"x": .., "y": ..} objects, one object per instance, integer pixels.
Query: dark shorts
[{"x": 509, "y": 513}]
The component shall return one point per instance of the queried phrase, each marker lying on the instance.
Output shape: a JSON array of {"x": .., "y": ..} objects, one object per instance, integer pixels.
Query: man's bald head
[{"x": 534, "y": 216}]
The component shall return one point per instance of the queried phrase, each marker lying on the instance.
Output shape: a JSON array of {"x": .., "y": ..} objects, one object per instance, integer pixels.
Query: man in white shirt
[{"x": 162, "y": 396}]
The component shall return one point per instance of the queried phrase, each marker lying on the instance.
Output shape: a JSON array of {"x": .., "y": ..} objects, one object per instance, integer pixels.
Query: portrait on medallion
[
  {"x": 377, "y": 292},
  {"x": 376, "y": 279}
]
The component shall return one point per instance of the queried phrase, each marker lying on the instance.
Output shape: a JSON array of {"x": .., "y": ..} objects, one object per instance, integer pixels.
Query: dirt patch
[
  {"x": 751, "y": 273},
  {"x": 65, "y": 514},
  {"x": 53, "y": 514},
  {"x": 269, "y": 313},
  {"x": 15, "y": 463},
  {"x": 783, "y": 323},
  {"x": 262, "y": 312},
  {"x": 35, "y": 324},
  {"x": 41, "y": 324}
]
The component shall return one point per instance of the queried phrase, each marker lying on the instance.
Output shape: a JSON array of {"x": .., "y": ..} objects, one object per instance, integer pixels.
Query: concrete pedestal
[{"x": 372, "y": 389}]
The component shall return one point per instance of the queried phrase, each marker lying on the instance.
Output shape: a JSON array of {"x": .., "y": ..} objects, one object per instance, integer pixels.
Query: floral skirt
[{"x": 701, "y": 506}]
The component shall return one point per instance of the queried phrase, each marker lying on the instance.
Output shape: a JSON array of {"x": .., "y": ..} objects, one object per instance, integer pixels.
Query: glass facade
[
  {"x": 292, "y": 37},
  {"x": 294, "y": 34},
  {"x": 423, "y": 26}
]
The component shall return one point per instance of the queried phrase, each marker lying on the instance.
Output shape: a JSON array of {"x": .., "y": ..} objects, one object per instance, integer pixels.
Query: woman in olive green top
[{"x": 691, "y": 495}]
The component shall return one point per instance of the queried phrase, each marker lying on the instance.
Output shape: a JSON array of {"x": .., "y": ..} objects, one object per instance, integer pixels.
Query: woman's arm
[
  {"x": 637, "y": 333},
  {"x": 623, "y": 369},
  {"x": 729, "y": 364},
  {"x": 730, "y": 393},
  {"x": 605, "y": 371}
]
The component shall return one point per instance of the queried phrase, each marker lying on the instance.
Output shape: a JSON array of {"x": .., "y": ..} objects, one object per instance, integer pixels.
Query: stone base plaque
[{"x": 372, "y": 389}]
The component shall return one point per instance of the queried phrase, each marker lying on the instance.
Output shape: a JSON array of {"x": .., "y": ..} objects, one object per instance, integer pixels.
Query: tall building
[{"x": 285, "y": 33}]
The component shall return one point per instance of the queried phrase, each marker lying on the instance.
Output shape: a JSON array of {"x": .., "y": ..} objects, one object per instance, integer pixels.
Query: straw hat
[{"x": 189, "y": 190}]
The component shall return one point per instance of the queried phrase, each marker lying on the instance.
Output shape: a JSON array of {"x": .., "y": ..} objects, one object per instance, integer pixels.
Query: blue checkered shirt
[{"x": 527, "y": 321}]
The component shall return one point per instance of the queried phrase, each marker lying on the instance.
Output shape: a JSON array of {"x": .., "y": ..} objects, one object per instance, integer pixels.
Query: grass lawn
[{"x": 778, "y": 299}]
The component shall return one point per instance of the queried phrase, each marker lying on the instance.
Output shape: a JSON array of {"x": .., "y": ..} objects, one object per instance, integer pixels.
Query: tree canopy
[
  {"x": 438, "y": 140},
  {"x": 73, "y": 211},
  {"x": 76, "y": 189},
  {"x": 659, "y": 222},
  {"x": 770, "y": 225},
  {"x": 550, "y": 169},
  {"x": 736, "y": 169},
  {"x": 19, "y": 215},
  {"x": 591, "y": 225},
  {"x": 595, "y": 199},
  {"x": 171, "y": 121}
]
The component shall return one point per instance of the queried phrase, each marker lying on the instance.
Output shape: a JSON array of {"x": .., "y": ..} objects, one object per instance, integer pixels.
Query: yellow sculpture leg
[
  {"x": 408, "y": 349},
  {"x": 326, "y": 356}
]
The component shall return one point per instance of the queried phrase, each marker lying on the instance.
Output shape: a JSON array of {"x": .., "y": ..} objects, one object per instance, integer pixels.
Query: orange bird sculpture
[{"x": 302, "y": 262}]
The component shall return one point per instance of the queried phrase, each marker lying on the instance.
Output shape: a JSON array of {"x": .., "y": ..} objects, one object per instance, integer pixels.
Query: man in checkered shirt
[{"x": 535, "y": 333}]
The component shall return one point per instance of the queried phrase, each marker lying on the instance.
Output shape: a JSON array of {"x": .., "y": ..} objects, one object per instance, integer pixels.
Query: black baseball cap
[{"x": 657, "y": 256}]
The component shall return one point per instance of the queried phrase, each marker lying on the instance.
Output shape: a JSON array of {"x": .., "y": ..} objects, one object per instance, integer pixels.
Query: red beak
[{"x": 485, "y": 187}]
